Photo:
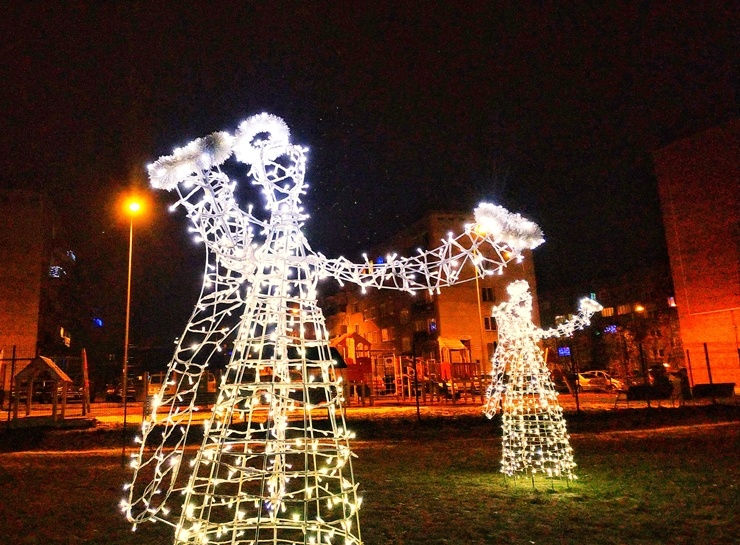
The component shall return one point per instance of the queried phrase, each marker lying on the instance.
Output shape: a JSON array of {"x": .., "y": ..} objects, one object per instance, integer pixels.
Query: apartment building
[{"x": 452, "y": 332}]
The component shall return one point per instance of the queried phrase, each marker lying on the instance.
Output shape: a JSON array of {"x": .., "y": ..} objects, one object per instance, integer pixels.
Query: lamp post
[
  {"x": 133, "y": 207},
  {"x": 639, "y": 336}
]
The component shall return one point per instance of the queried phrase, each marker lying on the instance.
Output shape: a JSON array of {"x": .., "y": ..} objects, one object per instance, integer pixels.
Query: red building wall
[
  {"x": 23, "y": 237},
  {"x": 699, "y": 185}
]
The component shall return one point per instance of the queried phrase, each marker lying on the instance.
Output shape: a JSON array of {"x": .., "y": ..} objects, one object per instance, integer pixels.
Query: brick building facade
[
  {"x": 34, "y": 280},
  {"x": 699, "y": 185}
]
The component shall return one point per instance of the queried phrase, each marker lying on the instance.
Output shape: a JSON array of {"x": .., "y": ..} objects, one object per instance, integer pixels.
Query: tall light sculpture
[
  {"x": 535, "y": 439},
  {"x": 133, "y": 207},
  {"x": 274, "y": 466}
]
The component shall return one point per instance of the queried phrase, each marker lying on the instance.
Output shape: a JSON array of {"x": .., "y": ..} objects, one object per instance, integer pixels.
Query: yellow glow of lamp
[{"x": 134, "y": 207}]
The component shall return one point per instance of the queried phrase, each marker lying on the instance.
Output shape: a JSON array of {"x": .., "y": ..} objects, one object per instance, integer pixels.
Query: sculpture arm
[
  {"x": 497, "y": 237},
  {"x": 586, "y": 309}
]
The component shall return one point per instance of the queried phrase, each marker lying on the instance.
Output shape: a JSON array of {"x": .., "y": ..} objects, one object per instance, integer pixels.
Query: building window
[
  {"x": 486, "y": 294},
  {"x": 608, "y": 311},
  {"x": 404, "y": 318},
  {"x": 624, "y": 309},
  {"x": 386, "y": 334},
  {"x": 491, "y": 349},
  {"x": 420, "y": 325},
  {"x": 432, "y": 325},
  {"x": 406, "y": 344},
  {"x": 490, "y": 323}
]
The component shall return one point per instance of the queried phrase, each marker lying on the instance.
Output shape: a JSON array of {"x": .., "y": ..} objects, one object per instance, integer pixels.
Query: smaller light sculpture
[{"x": 535, "y": 439}]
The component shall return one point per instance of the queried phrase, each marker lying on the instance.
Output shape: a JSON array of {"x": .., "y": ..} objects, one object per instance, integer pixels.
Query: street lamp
[{"x": 133, "y": 207}]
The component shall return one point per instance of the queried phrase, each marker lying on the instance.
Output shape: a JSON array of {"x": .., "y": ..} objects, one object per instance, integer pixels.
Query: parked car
[
  {"x": 42, "y": 392},
  {"x": 74, "y": 393},
  {"x": 113, "y": 392},
  {"x": 599, "y": 381}
]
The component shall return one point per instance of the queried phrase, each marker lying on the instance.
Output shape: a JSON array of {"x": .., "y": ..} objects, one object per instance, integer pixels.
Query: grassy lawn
[{"x": 669, "y": 486}]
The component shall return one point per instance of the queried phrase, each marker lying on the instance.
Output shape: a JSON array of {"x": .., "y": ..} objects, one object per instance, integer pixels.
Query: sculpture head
[
  {"x": 263, "y": 141},
  {"x": 520, "y": 299}
]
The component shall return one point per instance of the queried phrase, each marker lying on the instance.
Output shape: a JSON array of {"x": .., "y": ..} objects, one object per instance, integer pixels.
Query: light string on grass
[
  {"x": 275, "y": 464},
  {"x": 535, "y": 438}
]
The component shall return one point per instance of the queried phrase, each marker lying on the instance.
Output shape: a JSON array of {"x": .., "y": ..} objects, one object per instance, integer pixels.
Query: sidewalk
[{"x": 110, "y": 415}]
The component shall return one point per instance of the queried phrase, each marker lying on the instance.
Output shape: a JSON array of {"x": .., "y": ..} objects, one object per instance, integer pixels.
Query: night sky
[{"x": 405, "y": 107}]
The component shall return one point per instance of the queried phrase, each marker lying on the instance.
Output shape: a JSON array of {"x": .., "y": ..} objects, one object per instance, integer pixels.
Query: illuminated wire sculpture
[
  {"x": 275, "y": 464},
  {"x": 535, "y": 439}
]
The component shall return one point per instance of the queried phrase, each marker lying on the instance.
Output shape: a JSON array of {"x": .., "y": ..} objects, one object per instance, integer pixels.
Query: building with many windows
[
  {"x": 636, "y": 330},
  {"x": 34, "y": 283},
  {"x": 451, "y": 332}
]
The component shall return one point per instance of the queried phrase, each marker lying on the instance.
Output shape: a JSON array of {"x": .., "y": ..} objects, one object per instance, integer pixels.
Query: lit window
[{"x": 608, "y": 311}]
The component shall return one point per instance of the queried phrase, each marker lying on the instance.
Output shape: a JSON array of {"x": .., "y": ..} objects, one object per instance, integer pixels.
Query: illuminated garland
[
  {"x": 535, "y": 439},
  {"x": 275, "y": 463}
]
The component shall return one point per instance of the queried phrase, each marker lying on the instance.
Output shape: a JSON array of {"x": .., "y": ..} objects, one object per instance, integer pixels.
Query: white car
[{"x": 599, "y": 381}]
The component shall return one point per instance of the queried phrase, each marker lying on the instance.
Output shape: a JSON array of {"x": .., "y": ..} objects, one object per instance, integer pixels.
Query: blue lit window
[{"x": 563, "y": 351}]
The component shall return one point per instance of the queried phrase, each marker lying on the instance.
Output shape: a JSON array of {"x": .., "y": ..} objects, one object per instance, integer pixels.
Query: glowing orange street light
[
  {"x": 133, "y": 207},
  {"x": 639, "y": 308}
]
